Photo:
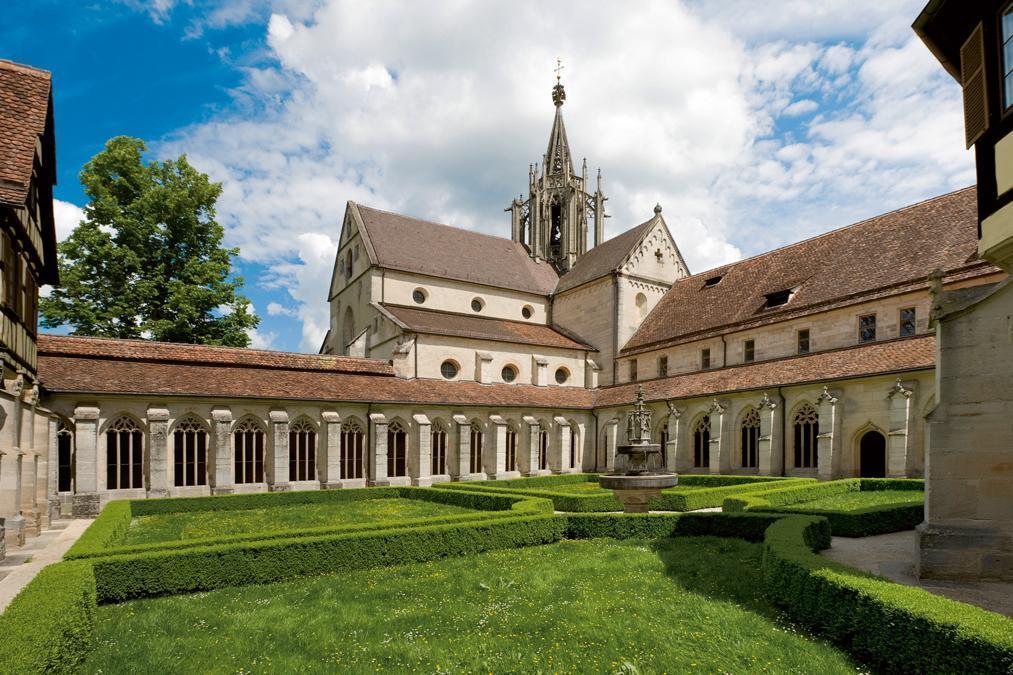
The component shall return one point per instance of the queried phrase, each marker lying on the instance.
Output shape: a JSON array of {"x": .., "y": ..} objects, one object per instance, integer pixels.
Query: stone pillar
[
  {"x": 528, "y": 461},
  {"x": 720, "y": 437},
  {"x": 676, "y": 456},
  {"x": 36, "y": 487},
  {"x": 52, "y": 476},
  {"x": 591, "y": 370},
  {"x": 611, "y": 440},
  {"x": 770, "y": 450},
  {"x": 459, "y": 461},
  {"x": 86, "y": 499},
  {"x": 29, "y": 472},
  {"x": 829, "y": 440},
  {"x": 421, "y": 465},
  {"x": 898, "y": 438},
  {"x": 277, "y": 468},
  {"x": 10, "y": 490},
  {"x": 483, "y": 367},
  {"x": 378, "y": 467},
  {"x": 331, "y": 461},
  {"x": 539, "y": 371},
  {"x": 559, "y": 456},
  {"x": 495, "y": 450},
  {"x": 159, "y": 460},
  {"x": 222, "y": 472}
]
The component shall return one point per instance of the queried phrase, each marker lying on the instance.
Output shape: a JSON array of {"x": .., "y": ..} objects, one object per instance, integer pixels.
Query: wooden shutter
[{"x": 972, "y": 79}]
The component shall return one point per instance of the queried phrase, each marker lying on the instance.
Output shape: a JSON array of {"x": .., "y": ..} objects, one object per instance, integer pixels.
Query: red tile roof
[
  {"x": 169, "y": 352},
  {"x": 482, "y": 328},
  {"x": 24, "y": 105},
  {"x": 888, "y": 254},
  {"x": 413, "y": 245},
  {"x": 604, "y": 258},
  {"x": 880, "y": 358}
]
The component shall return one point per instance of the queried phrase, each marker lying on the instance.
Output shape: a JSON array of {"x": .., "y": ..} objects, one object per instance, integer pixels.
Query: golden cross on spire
[{"x": 558, "y": 69}]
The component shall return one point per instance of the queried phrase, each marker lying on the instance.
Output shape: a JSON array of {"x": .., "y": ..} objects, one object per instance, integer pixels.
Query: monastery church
[{"x": 453, "y": 355}]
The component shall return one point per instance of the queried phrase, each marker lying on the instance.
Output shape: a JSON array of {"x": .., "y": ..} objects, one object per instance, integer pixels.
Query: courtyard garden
[{"x": 496, "y": 577}]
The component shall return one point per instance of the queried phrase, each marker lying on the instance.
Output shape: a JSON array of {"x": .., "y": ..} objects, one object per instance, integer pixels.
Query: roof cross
[{"x": 558, "y": 69}]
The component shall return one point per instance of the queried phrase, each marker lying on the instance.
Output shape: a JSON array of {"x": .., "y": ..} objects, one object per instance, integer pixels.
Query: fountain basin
[{"x": 635, "y": 492}]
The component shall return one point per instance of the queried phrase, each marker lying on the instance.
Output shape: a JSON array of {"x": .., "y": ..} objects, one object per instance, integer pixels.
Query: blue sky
[{"x": 753, "y": 130}]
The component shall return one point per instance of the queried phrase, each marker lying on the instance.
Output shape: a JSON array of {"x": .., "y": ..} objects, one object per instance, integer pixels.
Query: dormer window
[
  {"x": 778, "y": 298},
  {"x": 712, "y": 281}
]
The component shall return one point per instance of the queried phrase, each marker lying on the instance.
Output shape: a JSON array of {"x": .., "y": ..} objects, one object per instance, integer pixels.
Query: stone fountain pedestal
[{"x": 636, "y": 492}]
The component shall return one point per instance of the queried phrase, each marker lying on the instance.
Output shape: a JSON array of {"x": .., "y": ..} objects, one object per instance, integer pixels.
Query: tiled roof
[
  {"x": 24, "y": 104},
  {"x": 482, "y": 328},
  {"x": 893, "y": 252},
  {"x": 169, "y": 352},
  {"x": 604, "y": 258},
  {"x": 893, "y": 356},
  {"x": 413, "y": 245}
]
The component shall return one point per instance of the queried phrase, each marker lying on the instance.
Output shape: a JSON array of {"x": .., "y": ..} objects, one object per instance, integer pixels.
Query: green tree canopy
[{"x": 147, "y": 260}]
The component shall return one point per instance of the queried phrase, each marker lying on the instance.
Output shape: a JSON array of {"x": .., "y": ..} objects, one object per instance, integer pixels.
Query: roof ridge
[
  {"x": 433, "y": 222},
  {"x": 7, "y": 64},
  {"x": 829, "y": 233}
]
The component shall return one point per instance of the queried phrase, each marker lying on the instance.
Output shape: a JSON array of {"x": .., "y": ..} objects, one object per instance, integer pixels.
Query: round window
[
  {"x": 526, "y": 312},
  {"x": 562, "y": 375},
  {"x": 477, "y": 305},
  {"x": 509, "y": 373},
  {"x": 449, "y": 370},
  {"x": 419, "y": 295}
]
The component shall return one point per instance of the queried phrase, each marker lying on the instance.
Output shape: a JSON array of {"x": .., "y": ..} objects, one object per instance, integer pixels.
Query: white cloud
[
  {"x": 67, "y": 217},
  {"x": 277, "y": 309},
  {"x": 753, "y": 128}
]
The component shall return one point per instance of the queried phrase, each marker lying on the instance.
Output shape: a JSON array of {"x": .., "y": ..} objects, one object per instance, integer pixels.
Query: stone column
[
  {"x": 676, "y": 455},
  {"x": 611, "y": 440},
  {"x": 829, "y": 440},
  {"x": 277, "y": 469},
  {"x": 770, "y": 450},
  {"x": 495, "y": 450},
  {"x": 720, "y": 441},
  {"x": 52, "y": 477},
  {"x": 159, "y": 460},
  {"x": 539, "y": 371},
  {"x": 460, "y": 461},
  {"x": 559, "y": 457},
  {"x": 528, "y": 461},
  {"x": 29, "y": 473},
  {"x": 378, "y": 467},
  {"x": 421, "y": 472},
  {"x": 86, "y": 499},
  {"x": 898, "y": 448},
  {"x": 222, "y": 472},
  {"x": 331, "y": 461}
]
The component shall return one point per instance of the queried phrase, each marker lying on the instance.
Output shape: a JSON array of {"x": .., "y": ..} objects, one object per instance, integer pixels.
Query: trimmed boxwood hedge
[
  {"x": 102, "y": 537},
  {"x": 48, "y": 627},
  {"x": 872, "y": 520},
  {"x": 892, "y": 627},
  {"x": 748, "y": 526}
]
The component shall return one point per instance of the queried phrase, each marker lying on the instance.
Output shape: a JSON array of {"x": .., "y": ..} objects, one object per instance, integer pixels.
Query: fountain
[{"x": 640, "y": 475}]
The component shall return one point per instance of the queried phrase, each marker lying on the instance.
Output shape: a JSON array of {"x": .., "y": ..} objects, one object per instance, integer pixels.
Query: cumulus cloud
[
  {"x": 752, "y": 128},
  {"x": 67, "y": 217}
]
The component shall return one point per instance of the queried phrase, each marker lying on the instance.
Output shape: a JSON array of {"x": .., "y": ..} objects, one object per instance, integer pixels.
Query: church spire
[{"x": 553, "y": 221}]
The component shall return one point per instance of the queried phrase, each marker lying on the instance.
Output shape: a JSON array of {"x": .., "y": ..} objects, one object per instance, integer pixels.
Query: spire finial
[
  {"x": 558, "y": 95},
  {"x": 657, "y": 209}
]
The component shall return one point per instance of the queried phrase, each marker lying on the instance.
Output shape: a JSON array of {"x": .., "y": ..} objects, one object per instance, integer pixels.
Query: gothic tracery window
[
  {"x": 302, "y": 451},
  {"x": 475, "y": 449},
  {"x": 543, "y": 450},
  {"x": 806, "y": 425},
  {"x": 397, "y": 440},
  {"x": 65, "y": 458},
  {"x": 750, "y": 438},
  {"x": 248, "y": 440},
  {"x": 511, "y": 449},
  {"x": 438, "y": 448},
  {"x": 190, "y": 453},
  {"x": 702, "y": 442},
  {"x": 352, "y": 446},
  {"x": 124, "y": 455}
]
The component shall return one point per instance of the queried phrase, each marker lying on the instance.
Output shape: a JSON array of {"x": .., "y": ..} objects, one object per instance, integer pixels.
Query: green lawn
[
  {"x": 850, "y": 501},
  {"x": 677, "y": 605},
  {"x": 202, "y": 524}
]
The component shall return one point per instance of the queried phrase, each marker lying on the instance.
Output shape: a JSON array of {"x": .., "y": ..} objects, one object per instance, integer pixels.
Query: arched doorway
[{"x": 872, "y": 455}]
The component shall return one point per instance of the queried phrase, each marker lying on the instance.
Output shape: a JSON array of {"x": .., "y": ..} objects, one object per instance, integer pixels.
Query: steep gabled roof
[
  {"x": 430, "y": 322},
  {"x": 24, "y": 110},
  {"x": 604, "y": 258},
  {"x": 885, "y": 255},
  {"x": 423, "y": 247}
]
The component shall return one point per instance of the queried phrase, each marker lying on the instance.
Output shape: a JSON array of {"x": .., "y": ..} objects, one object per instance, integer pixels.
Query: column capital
[
  {"x": 828, "y": 396},
  {"x": 155, "y": 414},
  {"x": 330, "y": 416},
  {"x": 221, "y": 414},
  {"x": 86, "y": 412},
  {"x": 377, "y": 418},
  {"x": 561, "y": 421},
  {"x": 768, "y": 403},
  {"x": 278, "y": 416},
  {"x": 421, "y": 419},
  {"x": 674, "y": 410},
  {"x": 902, "y": 388},
  {"x": 718, "y": 407},
  {"x": 461, "y": 419},
  {"x": 497, "y": 420}
]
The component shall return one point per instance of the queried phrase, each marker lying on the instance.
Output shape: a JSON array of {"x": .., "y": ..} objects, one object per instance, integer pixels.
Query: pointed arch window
[
  {"x": 702, "y": 443},
  {"x": 302, "y": 451},
  {"x": 124, "y": 455},
  {"x": 750, "y": 438},
  {"x": 663, "y": 439},
  {"x": 438, "y": 447},
  {"x": 65, "y": 457},
  {"x": 190, "y": 453},
  {"x": 248, "y": 440},
  {"x": 352, "y": 447},
  {"x": 573, "y": 447},
  {"x": 511, "y": 449},
  {"x": 397, "y": 440},
  {"x": 806, "y": 425},
  {"x": 543, "y": 450},
  {"x": 475, "y": 449}
]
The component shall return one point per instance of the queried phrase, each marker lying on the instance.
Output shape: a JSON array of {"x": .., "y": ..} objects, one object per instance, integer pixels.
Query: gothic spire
[{"x": 557, "y": 157}]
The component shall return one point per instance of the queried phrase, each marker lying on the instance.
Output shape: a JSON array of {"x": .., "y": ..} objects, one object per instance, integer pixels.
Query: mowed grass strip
[
  {"x": 676, "y": 605},
  {"x": 203, "y": 524},
  {"x": 852, "y": 501}
]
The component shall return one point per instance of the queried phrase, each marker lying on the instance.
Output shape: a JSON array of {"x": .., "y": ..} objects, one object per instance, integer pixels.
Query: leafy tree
[{"x": 147, "y": 260}]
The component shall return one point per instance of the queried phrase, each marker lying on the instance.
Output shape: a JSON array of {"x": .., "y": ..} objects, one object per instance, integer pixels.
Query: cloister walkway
[{"x": 22, "y": 564}]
